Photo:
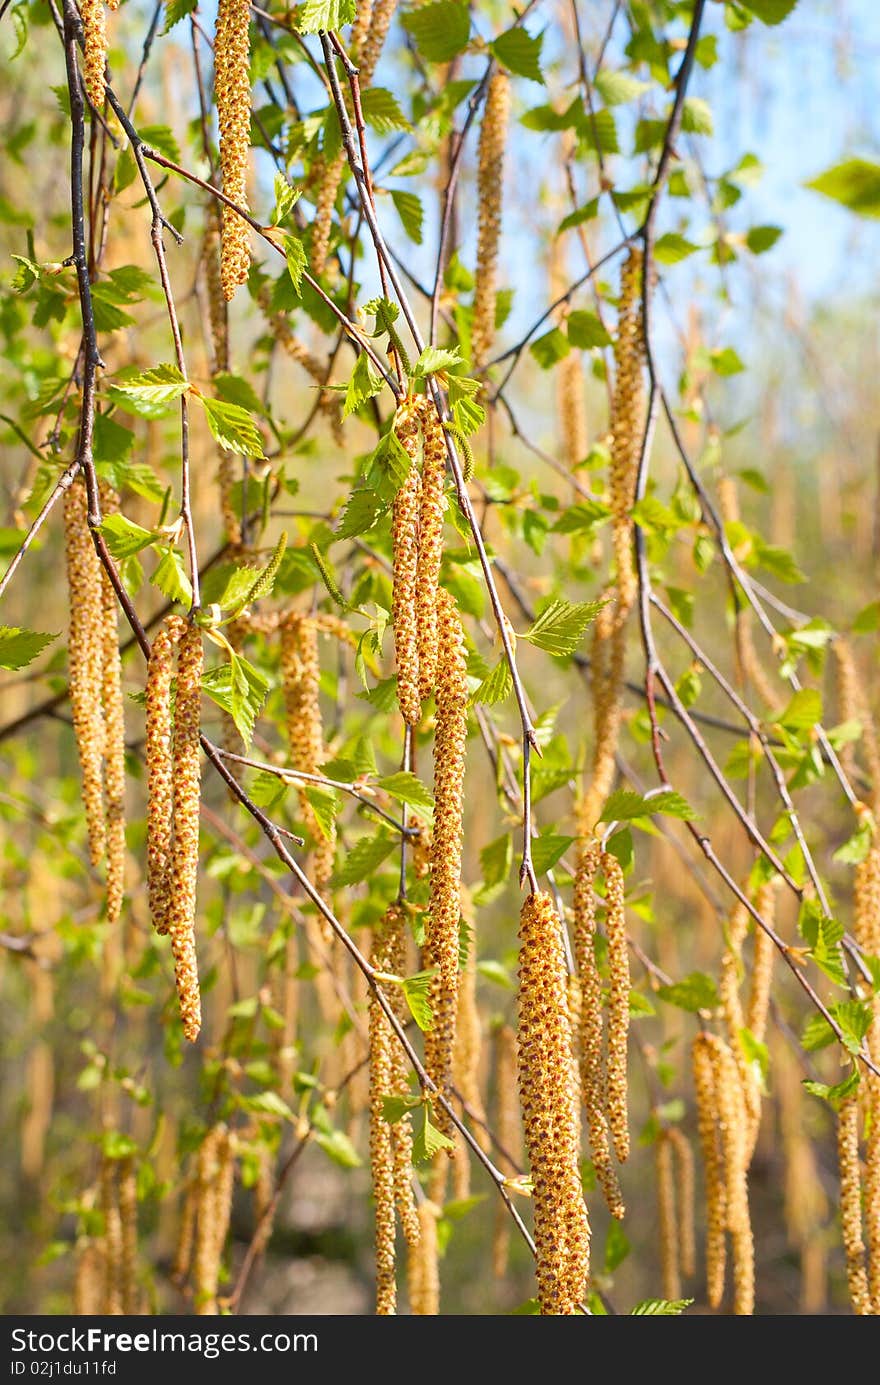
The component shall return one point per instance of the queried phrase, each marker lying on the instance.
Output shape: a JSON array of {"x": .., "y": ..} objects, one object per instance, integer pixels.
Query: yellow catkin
[
  {"x": 851, "y": 1205},
  {"x": 490, "y": 192},
  {"x": 402, "y": 1130},
  {"x": 670, "y": 1274},
  {"x": 218, "y": 313},
  {"x": 627, "y": 425},
  {"x": 571, "y": 407},
  {"x": 762, "y": 965},
  {"x": 731, "y": 1110},
  {"x": 216, "y": 1173},
  {"x": 39, "y": 1076},
  {"x": 509, "y": 1133},
  {"x": 432, "y": 504},
  {"x": 381, "y": 1139},
  {"x": 713, "y": 1168},
  {"x": 232, "y": 96},
  {"x": 85, "y": 659},
  {"x": 405, "y": 558},
  {"x": 805, "y": 1201},
  {"x": 444, "y": 901},
  {"x": 112, "y": 1303},
  {"x": 550, "y": 1112},
  {"x": 466, "y": 1070},
  {"x": 94, "y": 49},
  {"x": 186, "y": 1232},
  {"x": 367, "y": 39},
  {"x": 866, "y": 926},
  {"x": 160, "y": 783},
  {"x": 113, "y": 703},
  {"x": 301, "y": 681},
  {"x": 423, "y": 1269},
  {"x": 683, "y": 1159},
  {"x": 88, "y": 1283},
  {"x": 852, "y": 706},
  {"x": 128, "y": 1237},
  {"x": 731, "y": 1003},
  {"x": 420, "y": 847},
  {"x": 618, "y": 1004},
  {"x": 183, "y": 876},
  {"x": 607, "y": 658},
  {"x": 590, "y": 1044}
]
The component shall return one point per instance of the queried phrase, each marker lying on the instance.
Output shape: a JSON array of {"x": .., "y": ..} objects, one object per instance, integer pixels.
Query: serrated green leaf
[
  {"x": 440, "y": 30},
  {"x": 672, "y": 248},
  {"x": 616, "y": 88},
  {"x": 407, "y": 788},
  {"x": 617, "y": 1247},
  {"x": 434, "y": 359},
  {"x": 363, "y": 385},
  {"x": 339, "y": 1147},
  {"x": 696, "y": 117},
  {"x": 624, "y": 805},
  {"x": 803, "y": 711},
  {"x": 232, "y": 427},
  {"x": 817, "y": 1033},
  {"x": 363, "y": 859},
  {"x": 496, "y": 686},
  {"x": 325, "y": 806},
  {"x": 661, "y": 1307},
  {"x": 585, "y": 330},
  {"x": 297, "y": 261},
  {"x": 317, "y": 16},
  {"x": 123, "y": 537},
  {"x": 171, "y": 577},
  {"x": 19, "y": 647},
  {"x": 271, "y": 1104},
  {"x": 520, "y": 52},
  {"x": 839, "y": 1092},
  {"x": 547, "y": 849},
  {"x": 408, "y": 206},
  {"x": 394, "y": 1108},
  {"x": 240, "y": 690},
  {"x": 427, "y": 1139},
  {"x": 361, "y": 512},
  {"x": 152, "y": 391},
  {"x": 552, "y": 347},
  {"x": 415, "y": 992},
  {"x": 694, "y": 992},
  {"x": 382, "y": 111},
  {"x": 561, "y": 626}
]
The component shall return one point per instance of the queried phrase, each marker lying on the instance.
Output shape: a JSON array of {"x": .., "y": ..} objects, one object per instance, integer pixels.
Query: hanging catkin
[
  {"x": 550, "y": 1115},
  {"x": 731, "y": 1109},
  {"x": 88, "y": 1283},
  {"x": 509, "y": 1133},
  {"x": 423, "y": 1270},
  {"x": 490, "y": 190},
  {"x": 667, "y": 1217},
  {"x": 85, "y": 657},
  {"x": 762, "y": 963},
  {"x": 232, "y": 96},
  {"x": 218, "y": 312},
  {"x": 713, "y": 1168},
  {"x": 367, "y": 38},
  {"x": 112, "y": 1304},
  {"x": 382, "y": 1040},
  {"x": 444, "y": 900},
  {"x": 466, "y": 1071},
  {"x": 607, "y": 656},
  {"x": 734, "y": 1020},
  {"x": 573, "y": 435},
  {"x": 590, "y": 1045},
  {"x": 852, "y": 705},
  {"x": 128, "y": 1235},
  {"x": 94, "y": 50},
  {"x": 866, "y": 926},
  {"x": 683, "y": 1161},
  {"x": 183, "y": 876},
  {"x": 618, "y": 1004},
  {"x": 851, "y": 1205},
  {"x": 186, "y": 1232},
  {"x": 113, "y": 704},
  {"x": 301, "y": 681},
  {"x": 405, "y": 558},
  {"x": 216, "y": 1170},
  {"x": 402, "y": 1130},
  {"x": 160, "y": 779},
  {"x": 432, "y": 504},
  {"x": 627, "y": 425}
]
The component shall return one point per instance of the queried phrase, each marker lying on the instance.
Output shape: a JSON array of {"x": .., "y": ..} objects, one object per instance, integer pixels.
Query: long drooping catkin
[
  {"x": 667, "y": 1217},
  {"x": 186, "y": 769},
  {"x": 186, "y": 1232},
  {"x": 160, "y": 779},
  {"x": 572, "y": 410},
  {"x": 381, "y": 1140},
  {"x": 113, "y": 703},
  {"x": 423, "y": 1270},
  {"x": 301, "y": 681},
  {"x": 444, "y": 901},
  {"x": 216, "y": 1170},
  {"x": 607, "y": 657},
  {"x": 713, "y": 1168},
  {"x": 866, "y": 926},
  {"x": 85, "y": 658},
  {"x": 731, "y": 963},
  {"x": 432, "y": 504},
  {"x": 367, "y": 38},
  {"x": 218, "y": 312},
  {"x": 509, "y": 1132},
  {"x": 490, "y": 192},
  {"x": 88, "y": 1283},
  {"x": 550, "y": 1115},
  {"x": 851, "y": 1205},
  {"x": 232, "y": 96},
  {"x": 762, "y": 964},
  {"x": 627, "y": 425},
  {"x": 94, "y": 50},
  {"x": 112, "y": 1304},
  {"x": 731, "y": 1110},
  {"x": 405, "y": 558},
  {"x": 618, "y": 1004},
  {"x": 805, "y": 1200},
  {"x": 683, "y": 1160},
  {"x": 466, "y": 1070},
  {"x": 590, "y": 1025},
  {"x": 852, "y": 705},
  {"x": 401, "y": 1130},
  {"x": 128, "y": 1235}
]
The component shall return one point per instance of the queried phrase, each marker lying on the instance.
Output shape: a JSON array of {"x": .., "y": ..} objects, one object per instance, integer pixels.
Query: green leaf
[
  {"x": 318, "y": 16},
  {"x": 855, "y": 1018},
  {"x": 19, "y": 647},
  {"x": 364, "y": 859},
  {"x": 672, "y": 248},
  {"x": 552, "y": 347},
  {"x": 694, "y": 992},
  {"x": 236, "y": 390},
  {"x": 817, "y": 1033},
  {"x": 152, "y": 390},
  {"x": 617, "y": 1246},
  {"x": 856, "y": 848},
  {"x": 427, "y": 1139},
  {"x": 582, "y": 518},
  {"x": 415, "y": 992},
  {"x": 547, "y": 849},
  {"x": 696, "y": 117},
  {"x": 616, "y": 88},
  {"x": 408, "y": 789},
  {"x": 661, "y": 1307},
  {"x": 725, "y": 361},
  {"x": 339, "y": 1147},
  {"x": 440, "y": 30},
  {"x": 838, "y": 1092},
  {"x": 434, "y": 359},
  {"x": 286, "y": 198},
  {"x": 363, "y": 385},
  {"x": 411, "y": 212},
  {"x": 297, "y": 261},
  {"x": 360, "y": 514},
  {"x": 325, "y": 806},
  {"x": 762, "y": 238},
  {"x": 389, "y": 467},
  {"x": 175, "y": 10},
  {"x": 171, "y": 578},
  {"x": 496, "y": 686},
  {"x": 855, "y": 184},
  {"x": 123, "y": 537},
  {"x": 394, "y": 1108},
  {"x": 270, "y": 1103},
  {"x": 769, "y": 11},
  {"x": 115, "y": 1145},
  {"x": 240, "y": 690},
  {"x": 232, "y": 427},
  {"x": 520, "y": 52},
  {"x": 382, "y": 111},
  {"x": 624, "y": 805},
  {"x": 561, "y": 626},
  {"x": 585, "y": 330},
  {"x": 803, "y": 711}
]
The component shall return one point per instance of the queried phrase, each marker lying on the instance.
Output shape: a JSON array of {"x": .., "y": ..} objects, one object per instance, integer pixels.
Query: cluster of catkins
[{"x": 106, "y": 1275}]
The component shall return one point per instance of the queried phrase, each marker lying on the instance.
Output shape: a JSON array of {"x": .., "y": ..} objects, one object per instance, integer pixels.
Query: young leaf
[
  {"x": 520, "y": 52},
  {"x": 440, "y": 30},
  {"x": 19, "y": 647},
  {"x": 364, "y": 859},
  {"x": 496, "y": 686},
  {"x": 411, "y": 212},
  {"x": 394, "y": 1108},
  {"x": 240, "y": 690},
  {"x": 561, "y": 626},
  {"x": 363, "y": 385},
  {"x": 150, "y": 392},
  {"x": 427, "y": 1139},
  {"x": 695, "y": 992},
  {"x": 297, "y": 261},
  {"x": 415, "y": 991},
  {"x": 662, "y": 1307},
  {"x": 123, "y": 537},
  {"x": 171, "y": 578},
  {"x": 408, "y": 789},
  {"x": 232, "y": 427},
  {"x": 317, "y": 16},
  {"x": 624, "y": 805}
]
